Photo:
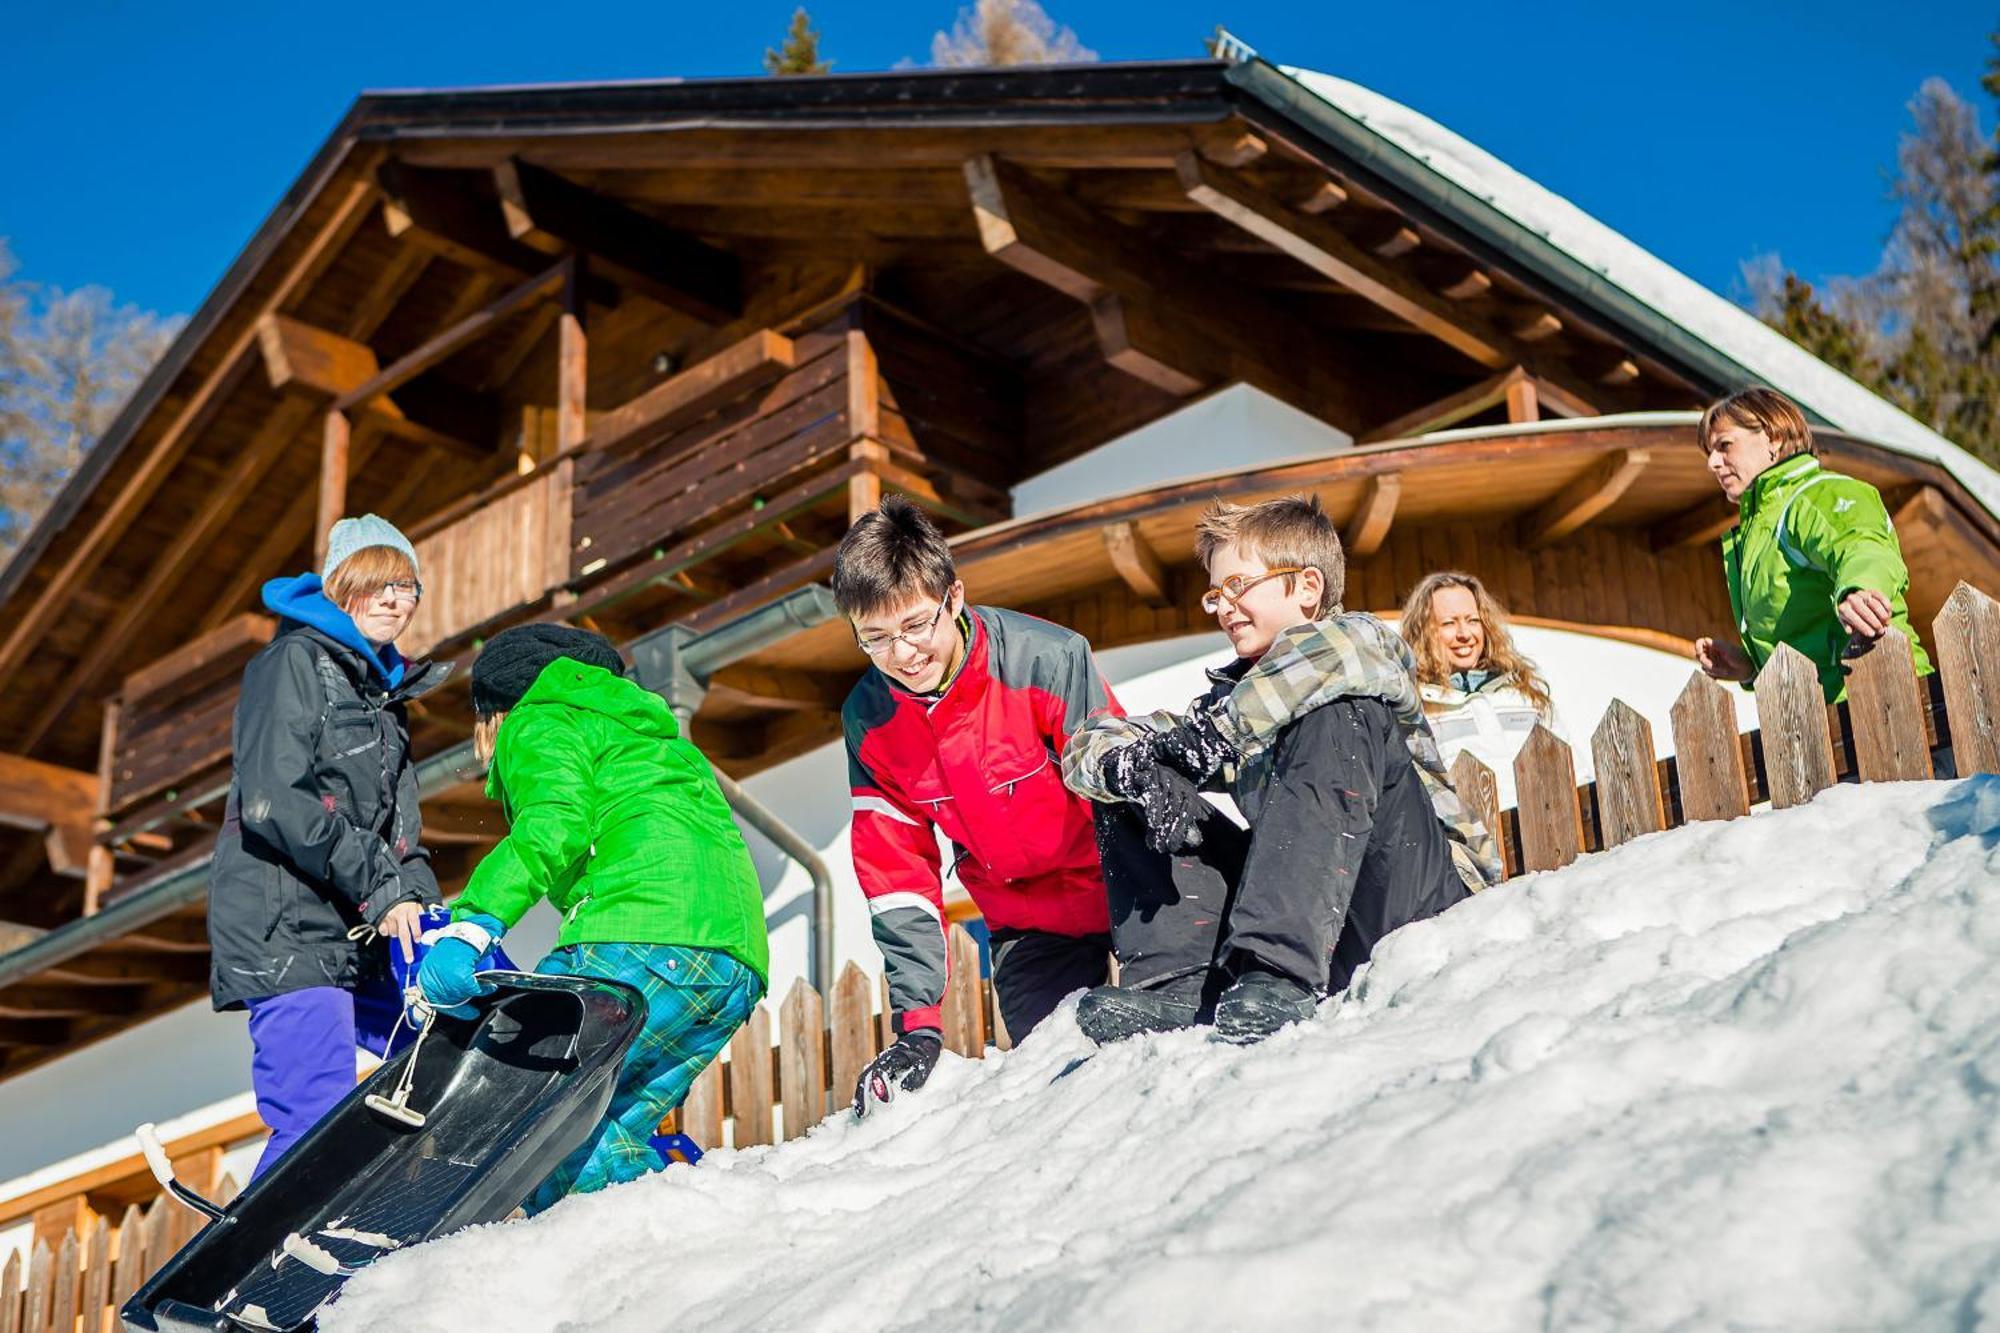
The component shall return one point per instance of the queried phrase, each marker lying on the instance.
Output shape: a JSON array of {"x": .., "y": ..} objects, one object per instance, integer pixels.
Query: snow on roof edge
[{"x": 1650, "y": 280}]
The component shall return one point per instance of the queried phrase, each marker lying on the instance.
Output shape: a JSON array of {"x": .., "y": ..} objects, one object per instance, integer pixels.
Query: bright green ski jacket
[
  {"x": 617, "y": 821},
  {"x": 1805, "y": 538}
]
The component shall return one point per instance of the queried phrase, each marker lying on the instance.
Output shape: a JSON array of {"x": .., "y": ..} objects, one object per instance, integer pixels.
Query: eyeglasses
[
  {"x": 403, "y": 590},
  {"x": 1233, "y": 587},
  {"x": 875, "y": 645}
]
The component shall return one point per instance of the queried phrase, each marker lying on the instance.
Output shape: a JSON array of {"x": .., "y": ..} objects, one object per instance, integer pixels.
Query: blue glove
[{"x": 448, "y": 977}]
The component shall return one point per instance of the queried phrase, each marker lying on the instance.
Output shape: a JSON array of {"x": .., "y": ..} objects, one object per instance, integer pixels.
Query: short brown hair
[
  {"x": 1293, "y": 530},
  {"x": 888, "y": 556},
  {"x": 367, "y": 572},
  {"x": 1766, "y": 410}
]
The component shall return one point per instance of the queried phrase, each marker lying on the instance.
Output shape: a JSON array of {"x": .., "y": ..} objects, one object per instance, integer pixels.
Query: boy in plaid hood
[
  {"x": 616, "y": 820},
  {"x": 1317, "y": 732}
]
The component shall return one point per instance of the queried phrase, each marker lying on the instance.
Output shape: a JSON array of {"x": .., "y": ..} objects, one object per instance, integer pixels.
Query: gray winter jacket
[{"x": 320, "y": 833}]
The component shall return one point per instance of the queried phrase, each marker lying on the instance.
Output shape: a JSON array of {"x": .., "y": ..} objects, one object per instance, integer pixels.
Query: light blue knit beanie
[{"x": 353, "y": 535}]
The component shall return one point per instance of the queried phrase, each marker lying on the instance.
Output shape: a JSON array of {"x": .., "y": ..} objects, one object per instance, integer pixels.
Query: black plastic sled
[{"x": 493, "y": 1104}]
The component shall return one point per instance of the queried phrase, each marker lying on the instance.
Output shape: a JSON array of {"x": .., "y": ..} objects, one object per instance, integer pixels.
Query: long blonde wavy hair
[{"x": 1419, "y": 630}]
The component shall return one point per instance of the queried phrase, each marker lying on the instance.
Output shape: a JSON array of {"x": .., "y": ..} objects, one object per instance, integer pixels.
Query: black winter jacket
[{"x": 320, "y": 834}]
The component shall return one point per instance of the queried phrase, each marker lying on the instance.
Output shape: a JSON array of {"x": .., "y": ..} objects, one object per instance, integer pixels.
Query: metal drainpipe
[
  {"x": 787, "y": 840},
  {"x": 677, "y": 665}
]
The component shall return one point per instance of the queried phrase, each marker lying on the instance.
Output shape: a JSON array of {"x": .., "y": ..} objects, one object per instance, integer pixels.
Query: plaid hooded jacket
[{"x": 1347, "y": 654}]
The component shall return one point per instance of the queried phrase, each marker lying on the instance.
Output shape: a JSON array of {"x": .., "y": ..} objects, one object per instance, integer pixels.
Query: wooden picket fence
[
  {"x": 78, "y": 1285},
  {"x": 1891, "y": 727}
]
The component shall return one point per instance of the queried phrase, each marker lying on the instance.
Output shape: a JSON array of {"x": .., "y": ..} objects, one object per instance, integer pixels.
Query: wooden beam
[
  {"x": 127, "y": 969},
  {"x": 35, "y": 795},
  {"x": 301, "y": 357},
  {"x": 681, "y": 272},
  {"x": 240, "y": 635},
  {"x": 1589, "y": 495},
  {"x": 1472, "y": 282},
  {"x": 167, "y": 569},
  {"x": 1705, "y": 522},
  {"x": 1369, "y": 526},
  {"x": 1237, "y": 151},
  {"x": 33, "y": 1031},
  {"x": 1561, "y": 401},
  {"x": 68, "y": 847},
  {"x": 1523, "y": 402},
  {"x": 152, "y": 470},
  {"x": 444, "y": 343},
  {"x": 1536, "y": 326},
  {"x": 1325, "y": 249},
  {"x": 1322, "y": 198},
  {"x": 1166, "y": 324},
  {"x": 334, "y": 442},
  {"x": 1137, "y": 564},
  {"x": 32, "y": 1001},
  {"x": 1392, "y": 239},
  {"x": 1452, "y": 408},
  {"x": 448, "y": 213}
]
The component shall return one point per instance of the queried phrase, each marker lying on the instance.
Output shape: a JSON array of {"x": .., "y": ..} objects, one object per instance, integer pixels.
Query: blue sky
[{"x": 141, "y": 145}]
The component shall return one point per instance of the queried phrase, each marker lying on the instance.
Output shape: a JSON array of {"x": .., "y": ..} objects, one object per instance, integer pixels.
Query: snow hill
[{"x": 1740, "y": 1075}]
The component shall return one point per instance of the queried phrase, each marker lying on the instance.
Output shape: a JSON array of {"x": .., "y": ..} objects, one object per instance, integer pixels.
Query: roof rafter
[{"x": 554, "y": 215}]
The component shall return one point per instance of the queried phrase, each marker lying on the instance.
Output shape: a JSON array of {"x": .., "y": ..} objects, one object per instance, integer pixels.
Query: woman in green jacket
[
  {"x": 1813, "y": 560},
  {"x": 619, "y": 823}
]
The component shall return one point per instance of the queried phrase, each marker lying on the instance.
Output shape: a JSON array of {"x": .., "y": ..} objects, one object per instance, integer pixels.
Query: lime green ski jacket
[
  {"x": 1805, "y": 538},
  {"x": 616, "y": 820}
]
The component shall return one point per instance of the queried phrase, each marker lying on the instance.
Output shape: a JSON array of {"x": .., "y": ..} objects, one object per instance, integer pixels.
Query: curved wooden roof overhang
[{"x": 1606, "y": 523}]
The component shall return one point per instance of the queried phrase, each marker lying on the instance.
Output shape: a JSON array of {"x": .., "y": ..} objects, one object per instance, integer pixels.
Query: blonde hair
[
  {"x": 365, "y": 573},
  {"x": 1293, "y": 531},
  {"x": 1419, "y": 630},
  {"x": 1761, "y": 409},
  {"x": 486, "y": 737}
]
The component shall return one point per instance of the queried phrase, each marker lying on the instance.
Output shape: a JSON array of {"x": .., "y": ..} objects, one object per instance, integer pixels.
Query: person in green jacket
[
  {"x": 618, "y": 821},
  {"x": 1813, "y": 560}
]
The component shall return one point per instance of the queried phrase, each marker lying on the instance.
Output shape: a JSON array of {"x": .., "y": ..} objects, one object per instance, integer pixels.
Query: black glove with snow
[
  {"x": 905, "y": 1066},
  {"x": 1194, "y": 746},
  {"x": 1169, "y": 804}
]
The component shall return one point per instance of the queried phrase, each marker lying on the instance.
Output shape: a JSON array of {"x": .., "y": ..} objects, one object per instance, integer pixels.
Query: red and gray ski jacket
[{"x": 982, "y": 760}]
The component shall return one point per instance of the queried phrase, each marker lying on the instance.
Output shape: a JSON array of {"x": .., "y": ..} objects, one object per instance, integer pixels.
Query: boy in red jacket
[{"x": 961, "y": 727}]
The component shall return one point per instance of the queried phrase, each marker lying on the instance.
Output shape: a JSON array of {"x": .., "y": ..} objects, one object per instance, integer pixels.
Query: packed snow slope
[{"x": 1740, "y": 1075}]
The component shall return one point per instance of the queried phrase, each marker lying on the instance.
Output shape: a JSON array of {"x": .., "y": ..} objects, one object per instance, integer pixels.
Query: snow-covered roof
[{"x": 1760, "y": 350}]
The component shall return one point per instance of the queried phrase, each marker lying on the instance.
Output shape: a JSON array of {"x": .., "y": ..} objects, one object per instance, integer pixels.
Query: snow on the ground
[{"x": 1740, "y": 1075}]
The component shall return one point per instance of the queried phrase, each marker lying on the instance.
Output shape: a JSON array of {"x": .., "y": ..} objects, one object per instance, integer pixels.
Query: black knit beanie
[{"x": 512, "y": 659}]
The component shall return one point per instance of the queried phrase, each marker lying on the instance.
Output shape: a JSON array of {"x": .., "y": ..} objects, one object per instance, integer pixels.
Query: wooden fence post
[
  {"x": 35, "y": 1306},
  {"x": 1791, "y": 714},
  {"x": 701, "y": 1110},
  {"x": 1545, "y": 795},
  {"x": 1629, "y": 801},
  {"x": 130, "y": 1266},
  {"x": 802, "y": 1065},
  {"x": 1886, "y": 713},
  {"x": 1479, "y": 790},
  {"x": 158, "y": 1230},
  {"x": 886, "y": 1018},
  {"x": 62, "y": 1301},
  {"x": 853, "y": 1031},
  {"x": 1708, "y": 761},
  {"x": 963, "y": 1032},
  {"x": 10, "y": 1294},
  {"x": 1967, "y": 634},
  {"x": 97, "y": 1279},
  {"x": 750, "y": 1079}
]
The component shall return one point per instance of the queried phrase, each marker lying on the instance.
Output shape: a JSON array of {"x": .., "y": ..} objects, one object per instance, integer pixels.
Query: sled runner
[{"x": 455, "y": 1130}]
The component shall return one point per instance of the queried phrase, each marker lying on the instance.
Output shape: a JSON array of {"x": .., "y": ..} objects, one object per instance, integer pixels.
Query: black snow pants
[{"x": 1345, "y": 848}]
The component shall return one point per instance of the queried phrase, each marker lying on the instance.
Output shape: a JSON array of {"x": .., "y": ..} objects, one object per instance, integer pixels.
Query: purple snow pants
[{"x": 303, "y": 1061}]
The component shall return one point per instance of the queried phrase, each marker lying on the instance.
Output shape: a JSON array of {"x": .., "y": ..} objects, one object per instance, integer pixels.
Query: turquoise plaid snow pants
[{"x": 695, "y": 1001}]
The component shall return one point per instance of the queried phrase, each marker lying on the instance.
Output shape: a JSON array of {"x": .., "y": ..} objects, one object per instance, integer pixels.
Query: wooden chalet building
[{"x": 633, "y": 355}]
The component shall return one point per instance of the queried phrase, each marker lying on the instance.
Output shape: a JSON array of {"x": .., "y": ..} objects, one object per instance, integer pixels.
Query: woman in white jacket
[{"x": 1479, "y": 692}]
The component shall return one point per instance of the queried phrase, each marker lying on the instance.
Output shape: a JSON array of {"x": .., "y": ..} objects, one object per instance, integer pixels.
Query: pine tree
[
  {"x": 1834, "y": 340},
  {"x": 1007, "y": 32},
  {"x": 800, "y": 53}
]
